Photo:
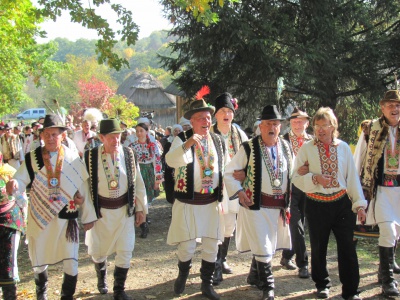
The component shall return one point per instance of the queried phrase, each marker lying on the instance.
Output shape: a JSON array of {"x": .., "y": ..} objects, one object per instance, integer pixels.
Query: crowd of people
[{"x": 220, "y": 181}]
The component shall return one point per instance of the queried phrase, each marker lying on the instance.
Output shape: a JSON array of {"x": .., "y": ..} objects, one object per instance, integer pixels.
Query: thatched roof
[
  {"x": 146, "y": 92},
  {"x": 174, "y": 90},
  {"x": 138, "y": 80}
]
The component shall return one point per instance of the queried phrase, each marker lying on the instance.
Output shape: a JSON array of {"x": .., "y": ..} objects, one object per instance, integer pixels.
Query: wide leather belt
[
  {"x": 273, "y": 201},
  {"x": 113, "y": 203},
  {"x": 202, "y": 199}
]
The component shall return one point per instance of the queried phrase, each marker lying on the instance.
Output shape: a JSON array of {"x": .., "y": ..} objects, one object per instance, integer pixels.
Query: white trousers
[
  {"x": 209, "y": 250},
  {"x": 389, "y": 233},
  {"x": 70, "y": 267},
  {"x": 122, "y": 259}
]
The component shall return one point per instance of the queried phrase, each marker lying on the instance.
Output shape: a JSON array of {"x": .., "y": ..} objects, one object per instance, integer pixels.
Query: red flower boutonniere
[{"x": 234, "y": 101}]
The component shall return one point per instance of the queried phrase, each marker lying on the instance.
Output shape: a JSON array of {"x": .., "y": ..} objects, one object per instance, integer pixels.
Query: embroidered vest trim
[
  {"x": 372, "y": 169},
  {"x": 91, "y": 159},
  {"x": 184, "y": 176},
  {"x": 34, "y": 162},
  {"x": 236, "y": 138},
  {"x": 253, "y": 182}
]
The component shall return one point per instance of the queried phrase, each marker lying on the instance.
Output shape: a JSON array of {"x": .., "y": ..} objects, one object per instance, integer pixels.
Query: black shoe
[
  {"x": 323, "y": 293},
  {"x": 288, "y": 264},
  {"x": 303, "y": 272},
  {"x": 180, "y": 282},
  {"x": 145, "y": 230}
]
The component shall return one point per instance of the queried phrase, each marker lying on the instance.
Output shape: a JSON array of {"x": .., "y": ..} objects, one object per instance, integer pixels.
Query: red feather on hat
[{"x": 205, "y": 90}]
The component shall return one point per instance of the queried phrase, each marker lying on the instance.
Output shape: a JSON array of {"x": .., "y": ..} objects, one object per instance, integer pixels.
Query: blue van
[{"x": 32, "y": 113}]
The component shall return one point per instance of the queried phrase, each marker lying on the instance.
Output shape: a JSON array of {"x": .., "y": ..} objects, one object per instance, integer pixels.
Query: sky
[{"x": 147, "y": 14}]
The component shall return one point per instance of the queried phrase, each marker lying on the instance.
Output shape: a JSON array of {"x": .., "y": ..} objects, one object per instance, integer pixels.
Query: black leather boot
[
  {"x": 266, "y": 280},
  {"x": 9, "y": 292},
  {"x": 226, "y": 269},
  {"x": 180, "y": 282},
  {"x": 396, "y": 268},
  {"x": 206, "y": 274},
  {"x": 120, "y": 275},
  {"x": 101, "y": 272},
  {"x": 217, "y": 276},
  {"x": 252, "y": 278},
  {"x": 145, "y": 230},
  {"x": 389, "y": 285},
  {"x": 41, "y": 285},
  {"x": 68, "y": 287}
]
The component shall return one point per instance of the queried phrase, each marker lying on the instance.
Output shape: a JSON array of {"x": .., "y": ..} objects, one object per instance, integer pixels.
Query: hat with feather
[{"x": 199, "y": 104}]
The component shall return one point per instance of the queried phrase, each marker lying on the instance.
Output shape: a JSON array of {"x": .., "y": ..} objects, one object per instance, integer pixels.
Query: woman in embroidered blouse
[
  {"x": 12, "y": 226},
  {"x": 333, "y": 198},
  {"x": 149, "y": 158}
]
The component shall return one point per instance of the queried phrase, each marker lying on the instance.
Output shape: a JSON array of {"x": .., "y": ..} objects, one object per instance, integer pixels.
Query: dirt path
[{"x": 154, "y": 269}]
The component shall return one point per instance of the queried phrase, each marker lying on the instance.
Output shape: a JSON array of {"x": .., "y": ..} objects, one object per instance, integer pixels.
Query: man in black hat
[
  {"x": 59, "y": 184},
  {"x": 377, "y": 160},
  {"x": 119, "y": 194},
  {"x": 263, "y": 197},
  {"x": 198, "y": 158},
  {"x": 225, "y": 107},
  {"x": 296, "y": 137},
  {"x": 11, "y": 147}
]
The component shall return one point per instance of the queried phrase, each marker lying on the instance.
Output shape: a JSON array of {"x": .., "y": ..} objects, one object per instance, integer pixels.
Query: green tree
[
  {"x": 330, "y": 51},
  {"x": 20, "y": 56},
  {"x": 123, "y": 110},
  {"x": 66, "y": 88}
]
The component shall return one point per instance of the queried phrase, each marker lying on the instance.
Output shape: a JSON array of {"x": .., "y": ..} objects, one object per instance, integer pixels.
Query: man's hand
[
  {"x": 88, "y": 226},
  {"x": 195, "y": 139},
  {"x": 361, "y": 215},
  {"x": 324, "y": 180},
  {"x": 140, "y": 218},
  {"x": 11, "y": 186},
  {"x": 78, "y": 198},
  {"x": 244, "y": 200},
  {"x": 303, "y": 170},
  {"x": 239, "y": 175}
]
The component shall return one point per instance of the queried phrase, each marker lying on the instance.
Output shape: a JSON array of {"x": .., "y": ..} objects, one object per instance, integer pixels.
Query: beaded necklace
[
  {"x": 392, "y": 153},
  {"x": 276, "y": 175},
  {"x": 205, "y": 157},
  {"x": 53, "y": 178},
  {"x": 112, "y": 178}
]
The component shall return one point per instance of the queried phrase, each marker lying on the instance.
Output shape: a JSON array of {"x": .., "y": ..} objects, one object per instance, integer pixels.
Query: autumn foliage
[{"x": 94, "y": 93}]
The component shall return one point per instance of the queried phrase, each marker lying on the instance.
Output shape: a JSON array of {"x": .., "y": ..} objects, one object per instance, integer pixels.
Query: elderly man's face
[
  {"x": 52, "y": 138},
  {"x": 201, "y": 122},
  {"x": 299, "y": 125},
  {"x": 390, "y": 110},
  {"x": 111, "y": 142},
  {"x": 269, "y": 131}
]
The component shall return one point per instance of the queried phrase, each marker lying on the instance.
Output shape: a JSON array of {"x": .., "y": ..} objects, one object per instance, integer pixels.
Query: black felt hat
[
  {"x": 53, "y": 121},
  {"x": 224, "y": 100},
  {"x": 270, "y": 112}
]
